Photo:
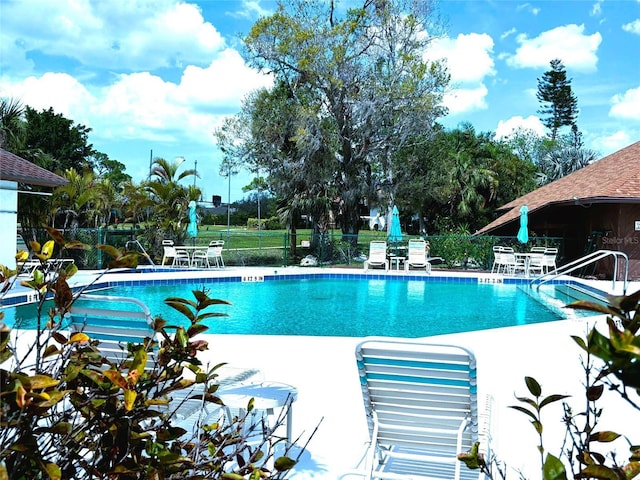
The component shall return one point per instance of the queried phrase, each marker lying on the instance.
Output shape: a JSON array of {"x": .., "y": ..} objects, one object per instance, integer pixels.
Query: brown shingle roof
[
  {"x": 16, "y": 169},
  {"x": 614, "y": 178}
]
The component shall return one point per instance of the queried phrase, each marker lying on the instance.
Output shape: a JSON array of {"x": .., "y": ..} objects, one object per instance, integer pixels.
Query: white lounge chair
[
  {"x": 116, "y": 321},
  {"x": 417, "y": 256},
  {"x": 377, "y": 255},
  {"x": 421, "y": 405}
]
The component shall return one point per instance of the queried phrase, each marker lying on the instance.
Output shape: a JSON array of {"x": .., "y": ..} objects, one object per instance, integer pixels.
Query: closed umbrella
[
  {"x": 395, "y": 232},
  {"x": 192, "y": 228},
  {"x": 523, "y": 233}
]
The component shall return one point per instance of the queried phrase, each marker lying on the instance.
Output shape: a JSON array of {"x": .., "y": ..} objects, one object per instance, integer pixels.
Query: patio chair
[
  {"x": 377, "y": 255},
  {"x": 116, "y": 321},
  {"x": 214, "y": 254},
  {"x": 182, "y": 258},
  {"x": 498, "y": 263},
  {"x": 422, "y": 410},
  {"x": 549, "y": 259},
  {"x": 535, "y": 260},
  {"x": 512, "y": 263},
  {"x": 417, "y": 256},
  {"x": 169, "y": 251}
]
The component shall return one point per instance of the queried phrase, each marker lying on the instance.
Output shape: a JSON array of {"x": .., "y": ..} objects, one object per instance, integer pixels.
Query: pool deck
[{"x": 323, "y": 371}]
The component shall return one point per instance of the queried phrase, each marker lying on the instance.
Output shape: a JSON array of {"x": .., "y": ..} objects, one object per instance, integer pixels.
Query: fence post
[
  {"x": 99, "y": 260},
  {"x": 285, "y": 250}
]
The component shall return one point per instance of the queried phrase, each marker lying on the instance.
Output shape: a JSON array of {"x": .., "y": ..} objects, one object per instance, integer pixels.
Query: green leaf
[
  {"x": 533, "y": 386},
  {"x": 524, "y": 410},
  {"x": 284, "y": 463},
  {"x": 603, "y": 436},
  {"x": 182, "y": 308},
  {"x": 600, "y": 472},
  {"x": 53, "y": 471},
  {"x": 196, "y": 329},
  {"x": 552, "y": 398},
  {"x": 553, "y": 469},
  {"x": 594, "y": 392},
  {"x": 592, "y": 307}
]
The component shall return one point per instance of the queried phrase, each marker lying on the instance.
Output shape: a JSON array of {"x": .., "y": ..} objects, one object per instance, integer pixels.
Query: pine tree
[{"x": 558, "y": 102}]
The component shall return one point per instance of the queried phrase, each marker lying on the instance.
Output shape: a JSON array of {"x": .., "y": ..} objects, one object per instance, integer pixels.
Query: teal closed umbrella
[
  {"x": 523, "y": 233},
  {"x": 395, "y": 232},
  {"x": 192, "y": 228}
]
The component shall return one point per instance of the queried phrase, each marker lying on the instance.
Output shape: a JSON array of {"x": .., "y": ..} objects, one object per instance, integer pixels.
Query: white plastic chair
[
  {"x": 549, "y": 259},
  {"x": 169, "y": 251},
  {"x": 199, "y": 258},
  {"x": 377, "y": 255},
  {"x": 182, "y": 258},
  {"x": 214, "y": 254}
]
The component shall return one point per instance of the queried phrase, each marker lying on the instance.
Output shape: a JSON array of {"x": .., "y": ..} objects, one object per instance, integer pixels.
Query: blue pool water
[{"x": 346, "y": 307}]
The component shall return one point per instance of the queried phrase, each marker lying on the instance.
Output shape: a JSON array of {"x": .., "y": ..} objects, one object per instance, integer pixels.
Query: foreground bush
[
  {"x": 611, "y": 363},
  {"x": 68, "y": 412}
]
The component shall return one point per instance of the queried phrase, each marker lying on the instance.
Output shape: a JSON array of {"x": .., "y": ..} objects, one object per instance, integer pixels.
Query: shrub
[
  {"x": 613, "y": 363},
  {"x": 68, "y": 412}
]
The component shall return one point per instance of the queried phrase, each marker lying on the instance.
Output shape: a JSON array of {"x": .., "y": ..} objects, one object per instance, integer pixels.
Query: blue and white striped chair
[{"x": 422, "y": 409}]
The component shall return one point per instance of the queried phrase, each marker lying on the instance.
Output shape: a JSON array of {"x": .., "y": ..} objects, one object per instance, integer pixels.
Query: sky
[{"x": 154, "y": 78}]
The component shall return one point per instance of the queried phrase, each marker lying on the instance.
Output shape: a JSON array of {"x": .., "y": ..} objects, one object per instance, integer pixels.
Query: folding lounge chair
[
  {"x": 377, "y": 255},
  {"x": 421, "y": 406},
  {"x": 417, "y": 256},
  {"x": 116, "y": 321}
]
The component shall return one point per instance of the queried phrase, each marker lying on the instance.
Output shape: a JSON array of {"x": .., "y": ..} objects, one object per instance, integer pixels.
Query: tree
[
  {"x": 169, "y": 200},
  {"x": 457, "y": 179},
  {"x": 109, "y": 169},
  {"x": 361, "y": 84},
  {"x": 557, "y": 99}
]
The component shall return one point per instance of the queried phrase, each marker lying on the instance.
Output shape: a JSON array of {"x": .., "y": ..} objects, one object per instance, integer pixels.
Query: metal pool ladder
[
  {"x": 588, "y": 260},
  {"x": 138, "y": 246}
]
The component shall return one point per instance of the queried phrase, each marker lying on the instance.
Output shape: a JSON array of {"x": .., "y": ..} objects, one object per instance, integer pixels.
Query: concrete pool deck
[{"x": 323, "y": 371}]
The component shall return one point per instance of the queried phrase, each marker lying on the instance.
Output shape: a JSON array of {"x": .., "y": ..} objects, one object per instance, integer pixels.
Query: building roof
[
  {"x": 16, "y": 169},
  {"x": 612, "y": 179}
]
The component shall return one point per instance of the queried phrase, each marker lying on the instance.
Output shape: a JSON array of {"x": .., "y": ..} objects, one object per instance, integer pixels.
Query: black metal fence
[{"x": 265, "y": 248}]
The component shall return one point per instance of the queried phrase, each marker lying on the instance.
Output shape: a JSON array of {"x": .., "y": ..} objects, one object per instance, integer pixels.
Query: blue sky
[{"x": 158, "y": 76}]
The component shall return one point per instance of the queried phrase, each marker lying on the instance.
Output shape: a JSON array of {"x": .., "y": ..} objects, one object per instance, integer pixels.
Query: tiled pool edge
[{"x": 257, "y": 275}]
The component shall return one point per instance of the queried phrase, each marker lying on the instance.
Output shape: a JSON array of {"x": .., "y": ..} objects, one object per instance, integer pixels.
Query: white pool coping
[{"x": 323, "y": 371}]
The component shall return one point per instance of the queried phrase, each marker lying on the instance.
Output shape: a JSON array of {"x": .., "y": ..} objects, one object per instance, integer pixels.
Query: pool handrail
[{"x": 583, "y": 262}]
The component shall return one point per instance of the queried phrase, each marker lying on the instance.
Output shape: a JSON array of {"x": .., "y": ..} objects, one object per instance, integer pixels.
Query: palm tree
[
  {"x": 75, "y": 199},
  {"x": 169, "y": 200}
]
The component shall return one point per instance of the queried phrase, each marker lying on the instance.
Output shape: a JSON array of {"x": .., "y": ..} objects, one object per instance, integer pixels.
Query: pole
[
  {"x": 229, "y": 203},
  {"x": 195, "y": 174}
]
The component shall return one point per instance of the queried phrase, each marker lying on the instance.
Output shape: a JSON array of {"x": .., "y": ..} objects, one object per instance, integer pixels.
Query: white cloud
[
  {"x": 612, "y": 143},
  {"x": 529, "y": 8},
  {"x": 122, "y": 36},
  {"x": 506, "y": 128},
  {"x": 596, "y": 9},
  {"x": 469, "y": 61},
  {"x": 632, "y": 27},
  {"x": 468, "y": 56},
  {"x": 626, "y": 105},
  {"x": 66, "y": 95},
  {"x": 226, "y": 80},
  {"x": 568, "y": 43},
  {"x": 508, "y": 33},
  {"x": 466, "y": 99}
]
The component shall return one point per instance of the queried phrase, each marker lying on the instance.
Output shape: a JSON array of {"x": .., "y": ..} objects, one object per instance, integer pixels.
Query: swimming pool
[{"x": 352, "y": 307}]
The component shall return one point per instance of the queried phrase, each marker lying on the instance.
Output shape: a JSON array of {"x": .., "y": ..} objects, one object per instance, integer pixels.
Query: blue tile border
[{"x": 30, "y": 297}]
